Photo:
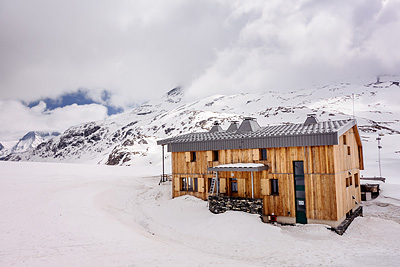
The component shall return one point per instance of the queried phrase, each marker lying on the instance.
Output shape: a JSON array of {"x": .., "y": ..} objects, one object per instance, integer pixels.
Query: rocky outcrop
[{"x": 220, "y": 204}]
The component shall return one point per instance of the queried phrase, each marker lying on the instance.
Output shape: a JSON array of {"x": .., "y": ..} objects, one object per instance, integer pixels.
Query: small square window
[
  {"x": 183, "y": 184},
  {"x": 193, "y": 156},
  {"x": 356, "y": 180},
  {"x": 234, "y": 186},
  {"x": 189, "y": 184},
  {"x": 263, "y": 154},
  {"x": 215, "y": 155},
  {"x": 349, "y": 181},
  {"x": 274, "y": 187}
]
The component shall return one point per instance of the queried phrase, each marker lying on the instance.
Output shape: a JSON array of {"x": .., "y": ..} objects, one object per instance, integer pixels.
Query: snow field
[{"x": 93, "y": 215}]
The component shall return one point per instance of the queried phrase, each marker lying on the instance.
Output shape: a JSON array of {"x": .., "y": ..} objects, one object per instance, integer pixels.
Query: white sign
[{"x": 301, "y": 202}]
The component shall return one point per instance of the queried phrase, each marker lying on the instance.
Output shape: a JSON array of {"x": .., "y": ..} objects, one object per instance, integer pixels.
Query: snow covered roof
[
  {"x": 285, "y": 135},
  {"x": 239, "y": 167}
]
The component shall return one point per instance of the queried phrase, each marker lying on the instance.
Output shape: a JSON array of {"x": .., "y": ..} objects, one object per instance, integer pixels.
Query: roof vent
[
  {"x": 216, "y": 128},
  {"x": 311, "y": 119},
  {"x": 249, "y": 125},
  {"x": 233, "y": 127}
]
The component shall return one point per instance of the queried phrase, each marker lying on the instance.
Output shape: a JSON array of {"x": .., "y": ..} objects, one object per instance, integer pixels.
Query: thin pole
[
  {"x": 379, "y": 155},
  {"x": 163, "y": 167},
  {"x": 217, "y": 181},
  {"x": 252, "y": 186},
  {"x": 353, "y": 108}
]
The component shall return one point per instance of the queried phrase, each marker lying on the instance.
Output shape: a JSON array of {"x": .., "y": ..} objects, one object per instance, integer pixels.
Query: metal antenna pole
[
  {"x": 163, "y": 168},
  {"x": 353, "y": 108}
]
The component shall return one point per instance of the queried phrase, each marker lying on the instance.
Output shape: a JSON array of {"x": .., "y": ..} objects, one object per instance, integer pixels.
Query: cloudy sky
[{"x": 135, "y": 50}]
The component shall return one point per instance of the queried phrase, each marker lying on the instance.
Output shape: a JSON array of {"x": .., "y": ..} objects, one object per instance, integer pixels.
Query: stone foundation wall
[{"x": 218, "y": 204}]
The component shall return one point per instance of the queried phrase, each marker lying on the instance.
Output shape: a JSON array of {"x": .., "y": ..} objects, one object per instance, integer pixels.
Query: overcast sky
[{"x": 137, "y": 50}]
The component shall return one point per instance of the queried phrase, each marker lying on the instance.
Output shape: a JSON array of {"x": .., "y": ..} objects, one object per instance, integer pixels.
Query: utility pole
[{"x": 378, "y": 139}]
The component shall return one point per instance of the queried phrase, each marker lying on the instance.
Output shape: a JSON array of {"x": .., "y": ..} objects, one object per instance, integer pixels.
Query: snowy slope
[
  {"x": 92, "y": 215},
  {"x": 130, "y": 137},
  {"x": 32, "y": 139}
]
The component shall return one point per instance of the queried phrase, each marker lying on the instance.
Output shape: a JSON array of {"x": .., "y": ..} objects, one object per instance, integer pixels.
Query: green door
[{"x": 298, "y": 169}]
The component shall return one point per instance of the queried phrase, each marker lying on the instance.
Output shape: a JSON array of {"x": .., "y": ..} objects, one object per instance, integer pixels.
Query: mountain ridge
[{"x": 122, "y": 139}]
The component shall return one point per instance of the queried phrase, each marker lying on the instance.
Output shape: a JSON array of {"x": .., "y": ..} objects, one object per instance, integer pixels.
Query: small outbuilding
[{"x": 298, "y": 173}]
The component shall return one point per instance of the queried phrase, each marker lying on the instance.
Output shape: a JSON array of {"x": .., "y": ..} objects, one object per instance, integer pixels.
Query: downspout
[
  {"x": 217, "y": 181},
  {"x": 252, "y": 185}
]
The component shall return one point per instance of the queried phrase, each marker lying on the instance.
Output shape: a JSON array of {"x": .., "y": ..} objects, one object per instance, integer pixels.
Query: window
[
  {"x": 189, "y": 184},
  {"x": 183, "y": 184},
  {"x": 349, "y": 181},
  {"x": 356, "y": 180},
  {"x": 348, "y": 150},
  {"x": 344, "y": 140},
  {"x": 274, "y": 187},
  {"x": 215, "y": 155},
  {"x": 234, "y": 186},
  {"x": 193, "y": 156},
  {"x": 263, "y": 154}
]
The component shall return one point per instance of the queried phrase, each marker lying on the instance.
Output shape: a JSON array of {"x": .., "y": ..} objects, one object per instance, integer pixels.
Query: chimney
[
  {"x": 311, "y": 119},
  {"x": 249, "y": 124},
  {"x": 233, "y": 127},
  {"x": 216, "y": 128}
]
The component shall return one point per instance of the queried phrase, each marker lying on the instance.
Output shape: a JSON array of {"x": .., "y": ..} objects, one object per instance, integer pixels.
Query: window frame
[
  {"x": 233, "y": 181},
  {"x": 263, "y": 154},
  {"x": 189, "y": 184},
  {"x": 349, "y": 181},
  {"x": 274, "y": 187},
  {"x": 193, "y": 156},
  {"x": 356, "y": 180},
  {"x": 215, "y": 155}
]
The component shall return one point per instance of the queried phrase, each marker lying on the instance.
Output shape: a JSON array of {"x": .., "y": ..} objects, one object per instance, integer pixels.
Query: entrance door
[{"x": 298, "y": 168}]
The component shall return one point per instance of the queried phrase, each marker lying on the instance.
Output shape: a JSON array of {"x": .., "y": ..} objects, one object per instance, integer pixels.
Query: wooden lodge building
[{"x": 300, "y": 173}]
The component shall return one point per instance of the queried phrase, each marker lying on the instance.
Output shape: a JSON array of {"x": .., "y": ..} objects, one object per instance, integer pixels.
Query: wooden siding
[{"x": 326, "y": 169}]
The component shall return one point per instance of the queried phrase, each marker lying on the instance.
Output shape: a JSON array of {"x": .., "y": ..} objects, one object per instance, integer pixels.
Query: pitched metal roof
[{"x": 285, "y": 135}]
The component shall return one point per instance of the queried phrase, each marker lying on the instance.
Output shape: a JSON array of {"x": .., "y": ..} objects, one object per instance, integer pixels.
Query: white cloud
[
  {"x": 295, "y": 43},
  {"x": 17, "y": 119},
  {"x": 140, "y": 49}
]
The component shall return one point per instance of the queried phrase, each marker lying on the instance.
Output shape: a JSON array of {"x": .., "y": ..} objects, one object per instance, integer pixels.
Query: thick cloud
[
  {"x": 17, "y": 119},
  {"x": 298, "y": 43},
  {"x": 134, "y": 49},
  {"x": 140, "y": 49}
]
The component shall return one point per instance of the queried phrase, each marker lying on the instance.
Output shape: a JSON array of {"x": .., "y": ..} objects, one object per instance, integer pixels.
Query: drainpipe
[
  {"x": 252, "y": 185},
  {"x": 217, "y": 181}
]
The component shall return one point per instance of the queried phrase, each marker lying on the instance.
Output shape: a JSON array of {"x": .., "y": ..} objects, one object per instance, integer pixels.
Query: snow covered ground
[{"x": 91, "y": 215}]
